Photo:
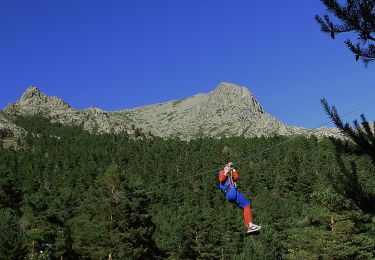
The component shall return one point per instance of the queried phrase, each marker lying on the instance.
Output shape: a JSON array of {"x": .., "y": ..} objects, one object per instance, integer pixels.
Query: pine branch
[
  {"x": 357, "y": 16},
  {"x": 362, "y": 135},
  {"x": 367, "y": 129}
]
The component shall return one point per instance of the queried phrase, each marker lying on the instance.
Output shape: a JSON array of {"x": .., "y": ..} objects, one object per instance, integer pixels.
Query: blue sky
[{"x": 124, "y": 54}]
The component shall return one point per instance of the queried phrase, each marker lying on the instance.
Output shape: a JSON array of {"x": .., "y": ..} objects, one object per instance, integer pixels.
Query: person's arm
[
  {"x": 236, "y": 175},
  {"x": 222, "y": 176}
]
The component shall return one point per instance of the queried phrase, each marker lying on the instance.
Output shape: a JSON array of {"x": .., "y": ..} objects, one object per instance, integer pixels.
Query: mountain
[
  {"x": 34, "y": 102},
  {"x": 229, "y": 110}
]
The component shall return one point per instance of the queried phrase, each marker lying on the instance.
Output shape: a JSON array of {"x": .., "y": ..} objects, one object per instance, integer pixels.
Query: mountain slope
[{"x": 229, "y": 110}]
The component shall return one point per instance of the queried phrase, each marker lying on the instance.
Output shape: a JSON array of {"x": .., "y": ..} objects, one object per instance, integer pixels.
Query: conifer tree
[
  {"x": 362, "y": 133},
  {"x": 10, "y": 235},
  {"x": 355, "y": 16},
  {"x": 112, "y": 224}
]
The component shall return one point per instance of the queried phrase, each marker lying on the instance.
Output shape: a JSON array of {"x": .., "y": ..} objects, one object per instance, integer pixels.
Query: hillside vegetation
[{"x": 66, "y": 193}]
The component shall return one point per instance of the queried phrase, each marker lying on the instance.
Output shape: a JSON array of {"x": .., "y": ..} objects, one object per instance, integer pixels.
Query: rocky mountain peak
[
  {"x": 230, "y": 88},
  {"x": 31, "y": 93},
  {"x": 229, "y": 94},
  {"x": 33, "y": 98}
]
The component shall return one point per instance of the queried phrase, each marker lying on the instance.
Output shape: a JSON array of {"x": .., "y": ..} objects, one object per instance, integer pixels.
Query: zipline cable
[
  {"x": 150, "y": 190},
  {"x": 251, "y": 156},
  {"x": 315, "y": 128}
]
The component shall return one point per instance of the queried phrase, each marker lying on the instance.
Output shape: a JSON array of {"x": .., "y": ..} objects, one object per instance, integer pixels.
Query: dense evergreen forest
[{"x": 68, "y": 194}]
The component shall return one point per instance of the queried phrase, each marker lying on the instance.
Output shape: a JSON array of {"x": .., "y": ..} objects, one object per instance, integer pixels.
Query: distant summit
[
  {"x": 229, "y": 110},
  {"x": 33, "y": 101},
  {"x": 228, "y": 94},
  {"x": 30, "y": 93}
]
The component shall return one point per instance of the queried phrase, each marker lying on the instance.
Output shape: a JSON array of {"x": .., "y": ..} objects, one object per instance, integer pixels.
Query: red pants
[{"x": 247, "y": 215}]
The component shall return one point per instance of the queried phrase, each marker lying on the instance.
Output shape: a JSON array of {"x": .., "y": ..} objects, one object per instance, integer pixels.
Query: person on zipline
[{"x": 227, "y": 178}]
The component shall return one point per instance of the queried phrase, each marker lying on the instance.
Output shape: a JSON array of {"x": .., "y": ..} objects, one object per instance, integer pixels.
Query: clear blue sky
[{"x": 123, "y": 54}]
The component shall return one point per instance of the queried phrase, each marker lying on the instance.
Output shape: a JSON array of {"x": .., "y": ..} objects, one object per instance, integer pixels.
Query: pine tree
[
  {"x": 10, "y": 235},
  {"x": 362, "y": 133},
  {"x": 356, "y": 16},
  {"x": 111, "y": 223}
]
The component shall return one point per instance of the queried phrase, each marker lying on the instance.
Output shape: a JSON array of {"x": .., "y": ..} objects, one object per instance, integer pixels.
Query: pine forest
[{"x": 69, "y": 194}]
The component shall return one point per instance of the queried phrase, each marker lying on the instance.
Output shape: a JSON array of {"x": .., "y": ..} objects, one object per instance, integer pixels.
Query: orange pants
[{"x": 247, "y": 215}]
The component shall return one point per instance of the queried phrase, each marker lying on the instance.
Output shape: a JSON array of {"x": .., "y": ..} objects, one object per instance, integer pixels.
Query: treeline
[{"x": 69, "y": 194}]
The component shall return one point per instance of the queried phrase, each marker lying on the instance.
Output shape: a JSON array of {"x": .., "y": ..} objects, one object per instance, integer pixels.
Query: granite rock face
[
  {"x": 9, "y": 131},
  {"x": 33, "y": 102},
  {"x": 229, "y": 110}
]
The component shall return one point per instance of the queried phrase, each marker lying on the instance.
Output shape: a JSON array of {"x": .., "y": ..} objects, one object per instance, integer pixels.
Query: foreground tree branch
[
  {"x": 362, "y": 134},
  {"x": 356, "y": 16}
]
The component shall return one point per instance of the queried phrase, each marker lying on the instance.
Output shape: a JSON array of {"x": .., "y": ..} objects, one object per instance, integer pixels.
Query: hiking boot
[{"x": 253, "y": 228}]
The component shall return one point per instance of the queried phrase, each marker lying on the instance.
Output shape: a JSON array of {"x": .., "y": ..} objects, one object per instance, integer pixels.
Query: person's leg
[
  {"x": 242, "y": 202},
  {"x": 248, "y": 218}
]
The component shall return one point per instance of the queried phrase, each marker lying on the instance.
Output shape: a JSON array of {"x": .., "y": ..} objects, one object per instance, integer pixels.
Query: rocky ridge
[
  {"x": 229, "y": 110},
  {"x": 34, "y": 102}
]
